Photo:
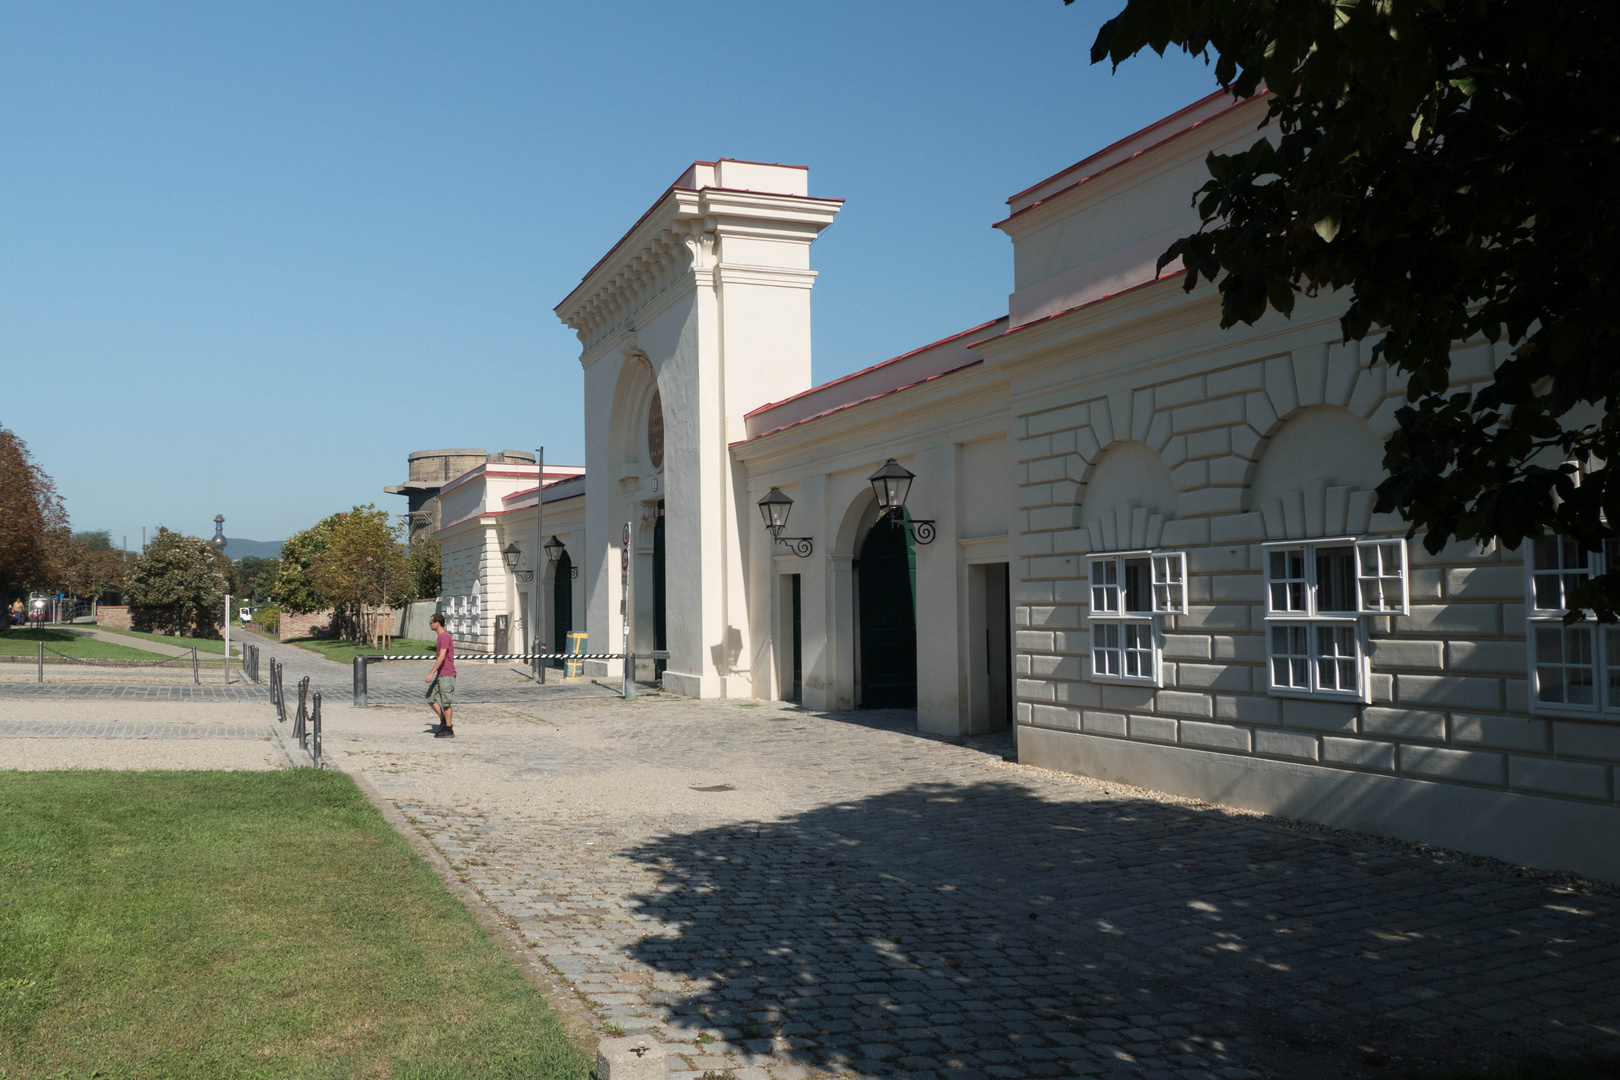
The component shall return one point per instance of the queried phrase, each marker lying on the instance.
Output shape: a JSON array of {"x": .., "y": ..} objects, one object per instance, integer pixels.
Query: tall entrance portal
[
  {"x": 888, "y": 587},
  {"x": 562, "y": 605}
]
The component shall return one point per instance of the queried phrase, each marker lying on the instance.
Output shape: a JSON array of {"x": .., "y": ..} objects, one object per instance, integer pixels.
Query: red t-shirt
[{"x": 448, "y": 669}]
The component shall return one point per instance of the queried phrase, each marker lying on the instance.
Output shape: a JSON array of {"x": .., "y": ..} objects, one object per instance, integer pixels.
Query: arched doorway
[
  {"x": 887, "y": 573},
  {"x": 562, "y": 604}
]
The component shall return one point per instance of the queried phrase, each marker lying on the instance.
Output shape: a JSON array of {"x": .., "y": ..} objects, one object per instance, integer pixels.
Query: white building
[
  {"x": 1152, "y": 546},
  {"x": 488, "y": 607}
]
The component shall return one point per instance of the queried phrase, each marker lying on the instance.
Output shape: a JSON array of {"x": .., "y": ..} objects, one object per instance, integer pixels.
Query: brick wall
[
  {"x": 113, "y": 615},
  {"x": 312, "y": 624}
]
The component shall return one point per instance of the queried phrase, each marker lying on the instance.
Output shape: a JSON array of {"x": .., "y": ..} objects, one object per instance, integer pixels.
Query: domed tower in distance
[{"x": 218, "y": 542}]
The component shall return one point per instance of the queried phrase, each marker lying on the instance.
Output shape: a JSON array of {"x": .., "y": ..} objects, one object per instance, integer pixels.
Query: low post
[
  {"x": 633, "y": 1057},
  {"x": 629, "y": 676},
  {"x": 42, "y": 660},
  {"x": 196, "y": 676},
  {"x": 360, "y": 682},
  {"x": 315, "y": 731}
]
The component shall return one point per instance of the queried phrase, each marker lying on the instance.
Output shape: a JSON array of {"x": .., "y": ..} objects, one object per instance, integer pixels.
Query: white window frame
[
  {"x": 1111, "y": 627},
  {"x": 1542, "y": 621},
  {"x": 1312, "y": 643}
]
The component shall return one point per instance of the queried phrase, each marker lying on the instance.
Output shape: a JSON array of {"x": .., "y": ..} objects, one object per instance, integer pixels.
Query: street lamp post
[
  {"x": 775, "y": 508},
  {"x": 891, "y": 484}
]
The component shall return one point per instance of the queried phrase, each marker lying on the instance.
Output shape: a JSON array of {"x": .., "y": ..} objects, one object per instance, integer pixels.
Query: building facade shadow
[{"x": 983, "y": 929}]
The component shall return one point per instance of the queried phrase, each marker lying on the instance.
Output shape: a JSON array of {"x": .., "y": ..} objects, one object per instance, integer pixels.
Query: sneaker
[{"x": 445, "y": 732}]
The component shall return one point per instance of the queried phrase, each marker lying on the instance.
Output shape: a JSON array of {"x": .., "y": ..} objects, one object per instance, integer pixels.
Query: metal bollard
[
  {"x": 315, "y": 731},
  {"x": 630, "y": 677},
  {"x": 300, "y": 730},
  {"x": 360, "y": 682},
  {"x": 42, "y": 661},
  {"x": 196, "y": 676}
]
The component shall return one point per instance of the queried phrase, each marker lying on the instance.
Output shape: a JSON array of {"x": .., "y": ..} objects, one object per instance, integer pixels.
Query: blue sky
[{"x": 253, "y": 255}]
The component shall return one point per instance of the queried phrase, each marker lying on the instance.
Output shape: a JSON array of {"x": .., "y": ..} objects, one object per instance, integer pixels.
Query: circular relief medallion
[{"x": 655, "y": 431}]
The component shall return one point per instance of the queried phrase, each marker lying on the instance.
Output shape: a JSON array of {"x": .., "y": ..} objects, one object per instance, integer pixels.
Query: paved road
[{"x": 777, "y": 892}]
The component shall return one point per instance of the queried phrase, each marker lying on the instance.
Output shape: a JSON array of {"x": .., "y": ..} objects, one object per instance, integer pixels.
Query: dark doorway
[
  {"x": 998, "y": 651},
  {"x": 660, "y": 634},
  {"x": 562, "y": 606},
  {"x": 888, "y": 585},
  {"x": 797, "y": 691}
]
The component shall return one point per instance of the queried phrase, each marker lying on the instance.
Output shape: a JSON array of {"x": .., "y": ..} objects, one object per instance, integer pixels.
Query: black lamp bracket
[
  {"x": 799, "y": 545},
  {"x": 922, "y": 529}
]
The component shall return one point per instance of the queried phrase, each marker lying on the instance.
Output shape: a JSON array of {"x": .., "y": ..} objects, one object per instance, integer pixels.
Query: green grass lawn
[
  {"x": 204, "y": 645},
  {"x": 344, "y": 652},
  {"x": 66, "y": 643},
  {"x": 210, "y": 924}
]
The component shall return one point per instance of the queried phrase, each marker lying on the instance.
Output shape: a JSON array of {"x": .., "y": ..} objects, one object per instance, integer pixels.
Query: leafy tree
[
  {"x": 295, "y": 589},
  {"x": 94, "y": 540},
  {"x": 424, "y": 571},
  {"x": 178, "y": 585},
  {"x": 361, "y": 565},
  {"x": 254, "y": 577},
  {"x": 31, "y": 516},
  {"x": 86, "y": 565},
  {"x": 1451, "y": 164}
]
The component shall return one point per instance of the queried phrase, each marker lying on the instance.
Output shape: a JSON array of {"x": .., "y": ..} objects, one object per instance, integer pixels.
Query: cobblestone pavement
[
  {"x": 399, "y": 682},
  {"x": 97, "y": 729},
  {"x": 135, "y": 691},
  {"x": 776, "y": 892}
]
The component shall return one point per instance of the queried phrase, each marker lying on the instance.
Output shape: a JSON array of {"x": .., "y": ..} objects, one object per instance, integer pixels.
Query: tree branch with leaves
[{"x": 1451, "y": 165}]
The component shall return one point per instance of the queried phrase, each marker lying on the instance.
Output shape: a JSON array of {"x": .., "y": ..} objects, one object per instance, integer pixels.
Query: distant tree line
[{"x": 347, "y": 563}]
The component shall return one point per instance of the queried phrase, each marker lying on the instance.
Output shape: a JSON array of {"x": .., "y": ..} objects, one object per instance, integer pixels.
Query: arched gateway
[{"x": 887, "y": 581}]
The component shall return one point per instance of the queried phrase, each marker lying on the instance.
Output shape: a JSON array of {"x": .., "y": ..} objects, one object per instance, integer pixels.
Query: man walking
[{"x": 441, "y": 679}]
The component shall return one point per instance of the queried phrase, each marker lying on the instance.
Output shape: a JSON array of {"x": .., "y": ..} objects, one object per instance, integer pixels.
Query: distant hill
[{"x": 260, "y": 549}]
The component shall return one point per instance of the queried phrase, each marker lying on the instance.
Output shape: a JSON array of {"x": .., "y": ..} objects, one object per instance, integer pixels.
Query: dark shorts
[{"x": 441, "y": 690}]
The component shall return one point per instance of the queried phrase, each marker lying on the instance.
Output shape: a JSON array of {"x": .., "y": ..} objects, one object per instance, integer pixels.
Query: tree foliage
[
  {"x": 32, "y": 518},
  {"x": 424, "y": 571},
  {"x": 177, "y": 586},
  {"x": 86, "y": 565},
  {"x": 347, "y": 562},
  {"x": 295, "y": 589},
  {"x": 1451, "y": 164},
  {"x": 362, "y": 565},
  {"x": 254, "y": 577}
]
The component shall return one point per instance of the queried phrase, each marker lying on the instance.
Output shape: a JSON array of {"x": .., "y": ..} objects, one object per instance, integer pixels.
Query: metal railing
[
  {"x": 59, "y": 657},
  {"x": 361, "y": 663}
]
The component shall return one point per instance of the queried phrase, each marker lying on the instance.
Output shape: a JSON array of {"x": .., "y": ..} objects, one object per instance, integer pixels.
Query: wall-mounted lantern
[
  {"x": 775, "y": 508},
  {"x": 512, "y": 553},
  {"x": 891, "y": 484},
  {"x": 554, "y": 552}
]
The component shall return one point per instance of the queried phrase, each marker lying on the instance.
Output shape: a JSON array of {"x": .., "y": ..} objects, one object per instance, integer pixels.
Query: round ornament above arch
[{"x": 655, "y": 431}]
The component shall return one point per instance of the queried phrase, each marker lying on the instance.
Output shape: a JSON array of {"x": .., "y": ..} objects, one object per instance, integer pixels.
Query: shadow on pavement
[{"x": 981, "y": 927}]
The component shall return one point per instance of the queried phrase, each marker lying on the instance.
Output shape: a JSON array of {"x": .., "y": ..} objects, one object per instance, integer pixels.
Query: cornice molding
[
  {"x": 683, "y": 234},
  {"x": 779, "y": 276},
  {"x": 1190, "y": 145}
]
